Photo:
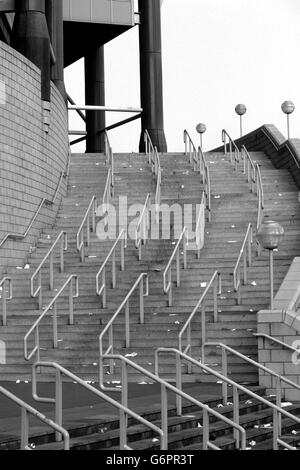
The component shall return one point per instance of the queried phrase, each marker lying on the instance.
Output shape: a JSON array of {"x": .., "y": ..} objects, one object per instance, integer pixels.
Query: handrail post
[
  {"x": 103, "y": 300},
  {"x": 189, "y": 341},
  {"x": 216, "y": 316},
  {"x": 225, "y": 374},
  {"x": 164, "y": 418},
  {"x": 142, "y": 312},
  {"x": 51, "y": 272},
  {"x": 58, "y": 404},
  {"x": 62, "y": 249},
  {"x": 71, "y": 303},
  {"x": 40, "y": 300},
  {"x": 178, "y": 268},
  {"x": 236, "y": 415},
  {"x": 113, "y": 270},
  {"x": 24, "y": 429},
  {"x": 275, "y": 429},
  {"x": 203, "y": 331},
  {"x": 55, "y": 333},
  {"x": 127, "y": 326},
  {"x": 278, "y": 402},
  {"x": 123, "y": 416},
  {"x": 205, "y": 429},
  {"x": 4, "y": 307},
  {"x": 170, "y": 301},
  {"x": 178, "y": 384}
]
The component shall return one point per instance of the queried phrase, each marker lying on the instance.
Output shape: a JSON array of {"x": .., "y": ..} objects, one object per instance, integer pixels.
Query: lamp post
[
  {"x": 288, "y": 108},
  {"x": 240, "y": 110},
  {"x": 201, "y": 129},
  {"x": 269, "y": 236}
]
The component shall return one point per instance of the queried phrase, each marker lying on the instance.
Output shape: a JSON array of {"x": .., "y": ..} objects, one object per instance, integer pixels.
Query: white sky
[{"x": 216, "y": 54}]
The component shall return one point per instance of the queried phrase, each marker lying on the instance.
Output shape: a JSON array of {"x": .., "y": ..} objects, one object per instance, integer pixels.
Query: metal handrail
[
  {"x": 18, "y": 236},
  {"x": 232, "y": 145},
  {"x": 52, "y": 307},
  {"x": 5, "y": 299},
  {"x": 149, "y": 149},
  {"x": 200, "y": 226},
  {"x": 254, "y": 178},
  {"x": 158, "y": 187},
  {"x": 245, "y": 257},
  {"x": 108, "y": 191},
  {"x": 101, "y": 289},
  {"x": 279, "y": 378},
  {"x": 167, "y": 276},
  {"x": 86, "y": 224},
  {"x": 277, "y": 341},
  {"x": 139, "y": 284},
  {"x": 277, "y": 410},
  {"x": 143, "y": 226},
  {"x": 29, "y": 410},
  {"x": 110, "y": 160},
  {"x": 216, "y": 284},
  {"x": 124, "y": 410},
  {"x": 61, "y": 240},
  {"x": 191, "y": 151},
  {"x": 165, "y": 386}
]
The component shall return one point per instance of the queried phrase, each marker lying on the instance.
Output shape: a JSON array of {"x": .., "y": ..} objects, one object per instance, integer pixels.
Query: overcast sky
[{"x": 216, "y": 54}]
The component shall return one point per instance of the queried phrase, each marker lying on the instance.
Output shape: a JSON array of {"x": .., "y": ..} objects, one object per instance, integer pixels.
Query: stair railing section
[
  {"x": 5, "y": 287},
  {"x": 277, "y": 341},
  {"x": 143, "y": 227},
  {"x": 233, "y": 148},
  {"x": 278, "y": 379},
  {"x": 26, "y": 411},
  {"x": 101, "y": 284},
  {"x": 191, "y": 151},
  {"x": 158, "y": 187},
  {"x": 165, "y": 387},
  {"x": 142, "y": 285},
  {"x": 108, "y": 191},
  {"x": 58, "y": 401},
  {"x": 110, "y": 160},
  {"x": 204, "y": 171},
  {"x": 150, "y": 150},
  {"x": 88, "y": 224},
  {"x": 52, "y": 309},
  {"x": 253, "y": 173},
  {"x": 200, "y": 226},
  {"x": 62, "y": 243},
  {"x": 245, "y": 259},
  {"x": 175, "y": 258},
  {"x": 278, "y": 411},
  {"x": 216, "y": 284}
]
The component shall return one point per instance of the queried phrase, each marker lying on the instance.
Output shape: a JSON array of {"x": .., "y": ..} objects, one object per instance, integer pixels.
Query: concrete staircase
[{"x": 233, "y": 208}]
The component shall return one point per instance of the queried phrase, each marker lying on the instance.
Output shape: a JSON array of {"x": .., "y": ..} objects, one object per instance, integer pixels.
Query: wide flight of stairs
[{"x": 233, "y": 208}]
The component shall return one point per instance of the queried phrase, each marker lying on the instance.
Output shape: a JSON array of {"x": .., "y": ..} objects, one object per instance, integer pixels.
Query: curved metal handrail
[
  {"x": 52, "y": 307},
  {"x": 277, "y": 341},
  {"x": 3, "y": 283},
  {"x": 124, "y": 410},
  {"x": 232, "y": 145},
  {"x": 277, "y": 410},
  {"x": 124, "y": 305},
  {"x": 26, "y": 410},
  {"x": 200, "y": 226},
  {"x": 62, "y": 239},
  {"x": 143, "y": 226},
  {"x": 125, "y": 362},
  {"x": 245, "y": 256},
  {"x": 101, "y": 290},
  {"x": 191, "y": 150},
  {"x": 167, "y": 276},
  {"x": 86, "y": 223},
  {"x": 216, "y": 284},
  {"x": 149, "y": 149}
]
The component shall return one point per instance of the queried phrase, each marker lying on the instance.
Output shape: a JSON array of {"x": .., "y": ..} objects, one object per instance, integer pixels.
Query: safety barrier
[{"x": 6, "y": 281}]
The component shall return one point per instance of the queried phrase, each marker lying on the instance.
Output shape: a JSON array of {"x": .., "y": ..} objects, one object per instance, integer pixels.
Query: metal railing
[
  {"x": 279, "y": 379},
  {"x": 88, "y": 223},
  {"x": 167, "y": 276},
  {"x": 62, "y": 242},
  {"x": 200, "y": 226},
  {"x": 52, "y": 308},
  {"x": 233, "y": 148},
  {"x": 253, "y": 173},
  {"x": 101, "y": 275},
  {"x": 165, "y": 386},
  {"x": 276, "y": 341},
  {"x": 158, "y": 188},
  {"x": 236, "y": 388},
  {"x": 215, "y": 284},
  {"x": 27, "y": 410},
  {"x": 191, "y": 151},
  {"x": 138, "y": 285},
  {"x": 108, "y": 191},
  {"x": 245, "y": 259},
  {"x": 143, "y": 226},
  {"x": 3, "y": 289},
  {"x": 58, "y": 401},
  {"x": 149, "y": 150}
]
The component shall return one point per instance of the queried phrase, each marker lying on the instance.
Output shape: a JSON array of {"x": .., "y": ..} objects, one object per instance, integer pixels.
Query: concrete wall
[
  {"x": 283, "y": 323},
  {"x": 34, "y": 151}
]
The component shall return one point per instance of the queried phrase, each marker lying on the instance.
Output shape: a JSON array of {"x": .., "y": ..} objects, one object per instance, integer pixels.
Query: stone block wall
[{"x": 34, "y": 151}]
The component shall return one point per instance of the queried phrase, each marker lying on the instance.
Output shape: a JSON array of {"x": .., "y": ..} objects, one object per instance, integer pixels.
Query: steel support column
[
  {"x": 151, "y": 74},
  {"x": 95, "y": 95}
]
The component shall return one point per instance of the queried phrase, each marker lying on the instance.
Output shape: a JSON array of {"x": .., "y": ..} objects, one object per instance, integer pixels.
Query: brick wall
[
  {"x": 282, "y": 324},
  {"x": 33, "y": 153}
]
